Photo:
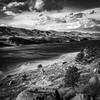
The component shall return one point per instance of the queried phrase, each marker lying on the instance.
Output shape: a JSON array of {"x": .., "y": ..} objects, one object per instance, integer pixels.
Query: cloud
[
  {"x": 12, "y": 4},
  {"x": 60, "y": 4},
  {"x": 39, "y": 4}
]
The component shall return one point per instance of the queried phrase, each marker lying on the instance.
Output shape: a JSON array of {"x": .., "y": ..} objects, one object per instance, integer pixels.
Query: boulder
[
  {"x": 66, "y": 93},
  {"x": 92, "y": 89},
  {"x": 77, "y": 97},
  {"x": 70, "y": 94},
  {"x": 25, "y": 95},
  {"x": 92, "y": 12},
  {"x": 38, "y": 94}
]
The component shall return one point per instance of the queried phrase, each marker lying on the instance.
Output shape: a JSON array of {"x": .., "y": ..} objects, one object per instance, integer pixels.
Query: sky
[
  {"x": 85, "y": 4},
  {"x": 52, "y": 6}
]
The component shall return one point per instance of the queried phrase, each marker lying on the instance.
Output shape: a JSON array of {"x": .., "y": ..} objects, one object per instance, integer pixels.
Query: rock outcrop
[
  {"x": 38, "y": 94},
  {"x": 89, "y": 54}
]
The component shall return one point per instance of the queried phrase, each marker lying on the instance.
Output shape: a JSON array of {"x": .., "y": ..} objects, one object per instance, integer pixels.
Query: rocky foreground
[{"x": 44, "y": 82}]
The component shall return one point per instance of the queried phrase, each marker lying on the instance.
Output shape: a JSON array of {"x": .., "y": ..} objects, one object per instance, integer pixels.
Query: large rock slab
[
  {"x": 25, "y": 95},
  {"x": 38, "y": 94}
]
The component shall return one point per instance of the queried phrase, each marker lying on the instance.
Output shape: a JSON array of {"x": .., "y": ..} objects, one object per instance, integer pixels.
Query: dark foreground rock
[
  {"x": 38, "y": 94},
  {"x": 47, "y": 94}
]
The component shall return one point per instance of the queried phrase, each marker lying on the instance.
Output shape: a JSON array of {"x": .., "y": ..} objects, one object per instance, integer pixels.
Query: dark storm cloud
[
  {"x": 59, "y": 4},
  {"x": 85, "y": 3},
  {"x": 54, "y": 4}
]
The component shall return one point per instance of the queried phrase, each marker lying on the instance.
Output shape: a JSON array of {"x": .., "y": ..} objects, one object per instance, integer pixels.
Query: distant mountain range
[{"x": 19, "y": 36}]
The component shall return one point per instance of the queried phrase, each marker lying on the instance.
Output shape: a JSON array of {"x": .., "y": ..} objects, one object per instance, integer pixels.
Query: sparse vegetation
[
  {"x": 88, "y": 54},
  {"x": 40, "y": 66},
  {"x": 71, "y": 77}
]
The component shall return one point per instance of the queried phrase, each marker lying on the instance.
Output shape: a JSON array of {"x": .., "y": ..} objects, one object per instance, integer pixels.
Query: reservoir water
[{"x": 12, "y": 57}]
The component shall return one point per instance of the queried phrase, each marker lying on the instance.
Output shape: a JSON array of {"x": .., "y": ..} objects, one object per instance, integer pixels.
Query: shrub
[
  {"x": 40, "y": 66},
  {"x": 79, "y": 57},
  {"x": 71, "y": 77}
]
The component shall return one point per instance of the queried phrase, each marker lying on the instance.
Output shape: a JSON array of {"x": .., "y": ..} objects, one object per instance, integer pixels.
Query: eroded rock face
[
  {"x": 66, "y": 93},
  {"x": 93, "y": 87},
  {"x": 47, "y": 94},
  {"x": 25, "y": 95},
  {"x": 78, "y": 97}
]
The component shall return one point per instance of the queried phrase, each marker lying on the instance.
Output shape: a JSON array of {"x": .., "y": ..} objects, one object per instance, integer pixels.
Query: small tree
[
  {"x": 40, "y": 66},
  {"x": 79, "y": 56},
  {"x": 71, "y": 77}
]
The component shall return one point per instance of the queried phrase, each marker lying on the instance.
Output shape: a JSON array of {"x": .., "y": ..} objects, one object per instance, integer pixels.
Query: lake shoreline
[{"x": 12, "y": 58}]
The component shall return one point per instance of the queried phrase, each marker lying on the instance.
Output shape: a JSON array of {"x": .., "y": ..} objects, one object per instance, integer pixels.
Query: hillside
[{"x": 51, "y": 79}]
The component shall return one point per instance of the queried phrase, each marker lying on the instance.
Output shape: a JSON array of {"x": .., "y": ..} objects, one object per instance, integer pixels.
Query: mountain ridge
[{"x": 17, "y": 36}]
